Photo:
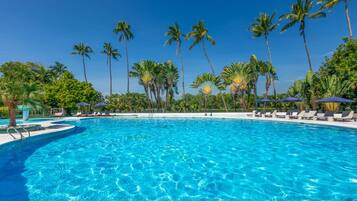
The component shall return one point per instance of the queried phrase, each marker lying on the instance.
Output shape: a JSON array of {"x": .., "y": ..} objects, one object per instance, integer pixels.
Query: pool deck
[{"x": 51, "y": 126}]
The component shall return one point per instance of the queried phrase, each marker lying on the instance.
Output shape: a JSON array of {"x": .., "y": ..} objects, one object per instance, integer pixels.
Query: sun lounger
[
  {"x": 297, "y": 115},
  {"x": 258, "y": 114},
  {"x": 281, "y": 114},
  {"x": 309, "y": 115},
  {"x": 345, "y": 116},
  {"x": 270, "y": 114}
]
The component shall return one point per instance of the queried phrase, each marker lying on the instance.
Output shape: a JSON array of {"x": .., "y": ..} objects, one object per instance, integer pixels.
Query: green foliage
[
  {"x": 131, "y": 102},
  {"x": 343, "y": 64},
  {"x": 66, "y": 92}
]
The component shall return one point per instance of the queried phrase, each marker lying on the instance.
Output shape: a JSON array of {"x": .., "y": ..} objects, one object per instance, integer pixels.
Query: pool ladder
[{"x": 18, "y": 131}]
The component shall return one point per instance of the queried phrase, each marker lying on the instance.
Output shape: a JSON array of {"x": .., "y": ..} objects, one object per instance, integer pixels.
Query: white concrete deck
[{"x": 51, "y": 126}]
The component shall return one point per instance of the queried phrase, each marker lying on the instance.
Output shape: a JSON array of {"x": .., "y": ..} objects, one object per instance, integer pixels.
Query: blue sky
[{"x": 45, "y": 31}]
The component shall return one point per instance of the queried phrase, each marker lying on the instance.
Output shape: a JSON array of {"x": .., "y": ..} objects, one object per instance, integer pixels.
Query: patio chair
[
  {"x": 309, "y": 115},
  {"x": 270, "y": 114},
  {"x": 345, "y": 116},
  {"x": 297, "y": 115},
  {"x": 324, "y": 116},
  {"x": 281, "y": 114}
]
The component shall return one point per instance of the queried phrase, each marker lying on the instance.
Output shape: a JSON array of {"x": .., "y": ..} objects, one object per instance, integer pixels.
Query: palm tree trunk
[
  {"x": 127, "y": 67},
  {"x": 207, "y": 57},
  {"x": 205, "y": 104},
  {"x": 179, "y": 53},
  {"x": 267, "y": 85},
  {"x": 110, "y": 76},
  {"x": 255, "y": 94},
  {"x": 12, "y": 113},
  {"x": 307, "y": 50},
  {"x": 84, "y": 69},
  {"x": 348, "y": 19},
  {"x": 268, "y": 49}
]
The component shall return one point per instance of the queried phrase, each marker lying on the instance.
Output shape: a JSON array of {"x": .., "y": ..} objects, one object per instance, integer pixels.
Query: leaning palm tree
[
  {"x": 111, "y": 53},
  {"x": 263, "y": 25},
  {"x": 199, "y": 34},
  {"x": 329, "y": 4},
  {"x": 300, "y": 12},
  {"x": 207, "y": 81},
  {"x": 175, "y": 34},
  {"x": 83, "y": 50},
  {"x": 123, "y": 30}
]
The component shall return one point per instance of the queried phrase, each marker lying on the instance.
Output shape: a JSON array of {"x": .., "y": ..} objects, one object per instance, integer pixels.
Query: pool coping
[{"x": 49, "y": 128}]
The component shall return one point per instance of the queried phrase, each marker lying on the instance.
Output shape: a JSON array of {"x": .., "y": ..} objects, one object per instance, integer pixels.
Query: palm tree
[
  {"x": 83, "y": 50},
  {"x": 174, "y": 33},
  {"x": 111, "y": 53},
  {"x": 144, "y": 71},
  {"x": 300, "y": 11},
  {"x": 236, "y": 76},
  {"x": 199, "y": 34},
  {"x": 58, "y": 69},
  {"x": 123, "y": 30},
  {"x": 262, "y": 27},
  {"x": 206, "y": 81},
  {"x": 329, "y": 4},
  {"x": 254, "y": 68},
  {"x": 267, "y": 70},
  {"x": 16, "y": 87},
  {"x": 171, "y": 76}
]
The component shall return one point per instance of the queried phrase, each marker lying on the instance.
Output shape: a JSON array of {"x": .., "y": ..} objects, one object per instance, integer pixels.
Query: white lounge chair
[
  {"x": 297, "y": 115},
  {"x": 281, "y": 114},
  {"x": 309, "y": 115},
  {"x": 270, "y": 114},
  {"x": 345, "y": 116}
]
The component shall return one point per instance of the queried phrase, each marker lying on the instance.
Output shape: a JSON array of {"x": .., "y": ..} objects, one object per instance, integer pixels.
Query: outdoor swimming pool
[{"x": 183, "y": 159}]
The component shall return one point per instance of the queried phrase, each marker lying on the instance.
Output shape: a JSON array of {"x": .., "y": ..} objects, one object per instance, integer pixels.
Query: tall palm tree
[
  {"x": 206, "y": 81},
  {"x": 123, "y": 30},
  {"x": 175, "y": 34},
  {"x": 111, "y": 53},
  {"x": 263, "y": 25},
  {"x": 300, "y": 12},
  {"x": 199, "y": 34},
  {"x": 329, "y": 4},
  {"x": 84, "y": 51}
]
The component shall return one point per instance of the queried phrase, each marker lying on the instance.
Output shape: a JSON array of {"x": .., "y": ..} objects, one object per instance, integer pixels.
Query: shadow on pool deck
[{"x": 12, "y": 164}]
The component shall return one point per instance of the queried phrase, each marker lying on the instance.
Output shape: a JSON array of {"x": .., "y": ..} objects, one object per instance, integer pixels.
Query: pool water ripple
[{"x": 190, "y": 159}]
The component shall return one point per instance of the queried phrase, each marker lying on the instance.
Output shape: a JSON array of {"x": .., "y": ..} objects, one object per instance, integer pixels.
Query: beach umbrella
[
  {"x": 265, "y": 100},
  {"x": 83, "y": 104},
  {"x": 334, "y": 99},
  {"x": 290, "y": 100},
  {"x": 101, "y": 104}
]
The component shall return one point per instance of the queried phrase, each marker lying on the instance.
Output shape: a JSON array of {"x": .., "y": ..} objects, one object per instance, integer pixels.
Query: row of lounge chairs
[
  {"x": 94, "y": 114},
  {"x": 308, "y": 115}
]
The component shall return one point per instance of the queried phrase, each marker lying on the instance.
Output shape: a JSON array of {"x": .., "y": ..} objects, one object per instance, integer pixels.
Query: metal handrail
[
  {"x": 27, "y": 131},
  {"x": 18, "y": 132},
  {"x": 13, "y": 128}
]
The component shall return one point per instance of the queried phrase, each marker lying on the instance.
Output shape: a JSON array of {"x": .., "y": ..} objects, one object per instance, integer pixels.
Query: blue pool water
[
  {"x": 20, "y": 121},
  {"x": 183, "y": 159}
]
